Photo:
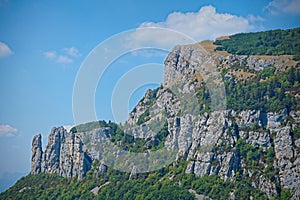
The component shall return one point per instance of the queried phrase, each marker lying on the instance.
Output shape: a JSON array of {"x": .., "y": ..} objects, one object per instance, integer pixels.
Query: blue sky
[{"x": 44, "y": 43}]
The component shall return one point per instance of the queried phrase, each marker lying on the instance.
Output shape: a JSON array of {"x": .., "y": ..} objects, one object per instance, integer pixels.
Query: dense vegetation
[
  {"x": 88, "y": 126},
  {"x": 274, "y": 42},
  {"x": 168, "y": 183},
  {"x": 267, "y": 91},
  {"x": 129, "y": 143},
  {"x": 125, "y": 140}
]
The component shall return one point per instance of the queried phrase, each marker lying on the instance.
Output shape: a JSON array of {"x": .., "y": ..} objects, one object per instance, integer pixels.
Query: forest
[
  {"x": 273, "y": 42},
  {"x": 153, "y": 185}
]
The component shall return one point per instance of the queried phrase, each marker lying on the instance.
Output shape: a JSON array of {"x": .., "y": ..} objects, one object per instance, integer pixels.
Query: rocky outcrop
[
  {"x": 207, "y": 141},
  {"x": 287, "y": 158},
  {"x": 37, "y": 154},
  {"x": 51, "y": 157},
  {"x": 267, "y": 186},
  {"x": 64, "y": 155},
  {"x": 256, "y": 62}
]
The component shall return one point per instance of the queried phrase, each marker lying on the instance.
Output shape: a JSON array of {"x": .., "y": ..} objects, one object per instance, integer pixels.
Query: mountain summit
[{"x": 228, "y": 116}]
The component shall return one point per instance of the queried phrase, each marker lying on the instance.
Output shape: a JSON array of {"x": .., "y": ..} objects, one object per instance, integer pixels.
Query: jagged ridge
[{"x": 221, "y": 142}]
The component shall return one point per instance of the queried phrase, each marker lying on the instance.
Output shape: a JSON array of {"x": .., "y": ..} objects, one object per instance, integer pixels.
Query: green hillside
[
  {"x": 166, "y": 184},
  {"x": 274, "y": 42}
]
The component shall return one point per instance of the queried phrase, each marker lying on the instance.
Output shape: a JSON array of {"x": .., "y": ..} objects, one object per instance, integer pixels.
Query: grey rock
[
  {"x": 263, "y": 139},
  {"x": 207, "y": 141},
  {"x": 275, "y": 119},
  {"x": 286, "y": 161},
  {"x": 64, "y": 155},
  {"x": 283, "y": 144},
  {"x": 248, "y": 118},
  {"x": 201, "y": 168},
  {"x": 37, "y": 153},
  {"x": 252, "y": 62},
  {"x": 266, "y": 186},
  {"x": 296, "y": 194},
  {"x": 96, "y": 189},
  {"x": 199, "y": 196},
  {"x": 297, "y": 143},
  {"x": 227, "y": 165},
  {"x": 102, "y": 169},
  {"x": 51, "y": 156}
]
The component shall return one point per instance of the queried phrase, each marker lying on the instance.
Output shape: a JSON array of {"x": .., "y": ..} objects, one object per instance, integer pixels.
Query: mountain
[{"x": 222, "y": 126}]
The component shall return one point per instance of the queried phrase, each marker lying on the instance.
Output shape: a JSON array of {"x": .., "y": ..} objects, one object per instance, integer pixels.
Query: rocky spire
[
  {"x": 64, "y": 155},
  {"x": 37, "y": 153}
]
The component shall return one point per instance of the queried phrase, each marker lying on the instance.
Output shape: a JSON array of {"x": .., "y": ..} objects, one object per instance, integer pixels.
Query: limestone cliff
[
  {"x": 64, "y": 155},
  {"x": 211, "y": 142}
]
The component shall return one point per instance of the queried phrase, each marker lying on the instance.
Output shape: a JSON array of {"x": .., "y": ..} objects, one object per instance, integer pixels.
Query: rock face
[
  {"x": 37, "y": 154},
  {"x": 64, "y": 155},
  {"x": 208, "y": 142}
]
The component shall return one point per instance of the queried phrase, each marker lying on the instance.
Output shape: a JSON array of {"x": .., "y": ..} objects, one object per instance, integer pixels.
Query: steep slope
[
  {"x": 232, "y": 121},
  {"x": 261, "y": 144}
]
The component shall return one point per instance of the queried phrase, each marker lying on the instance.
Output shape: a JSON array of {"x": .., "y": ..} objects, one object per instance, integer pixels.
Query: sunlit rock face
[{"x": 210, "y": 142}]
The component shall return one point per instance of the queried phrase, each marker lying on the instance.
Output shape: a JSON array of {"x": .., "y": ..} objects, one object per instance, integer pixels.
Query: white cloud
[
  {"x": 253, "y": 18},
  {"x": 72, "y": 51},
  {"x": 63, "y": 59},
  {"x": 5, "y": 50},
  {"x": 156, "y": 37},
  {"x": 201, "y": 25},
  {"x": 7, "y": 131},
  {"x": 284, "y": 6},
  {"x": 50, "y": 54},
  {"x": 65, "y": 56}
]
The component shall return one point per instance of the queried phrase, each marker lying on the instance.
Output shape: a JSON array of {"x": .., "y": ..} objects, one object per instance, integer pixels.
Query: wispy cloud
[
  {"x": 65, "y": 56},
  {"x": 207, "y": 23},
  {"x": 64, "y": 59},
  {"x": 50, "y": 54},
  {"x": 253, "y": 18},
  {"x": 5, "y": 50},
  {"x": 7, "y": 131},
  {"x": 72, "y": 51},
  {"x": 284, "y": 6}
]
